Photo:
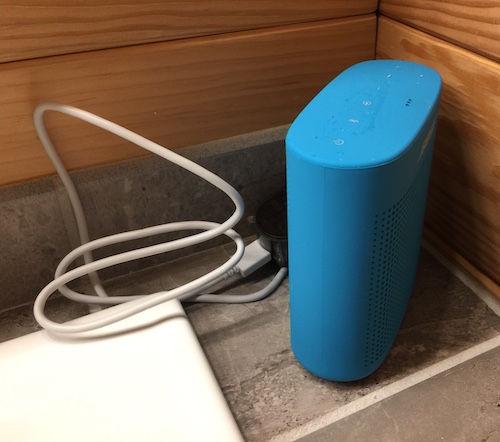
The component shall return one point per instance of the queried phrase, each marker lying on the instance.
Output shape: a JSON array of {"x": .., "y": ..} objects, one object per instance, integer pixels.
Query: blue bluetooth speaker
[{"x": 358, "y": 159}]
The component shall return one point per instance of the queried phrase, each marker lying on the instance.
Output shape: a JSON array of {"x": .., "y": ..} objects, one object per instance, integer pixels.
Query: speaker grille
[{"x": 395, "y": 250}]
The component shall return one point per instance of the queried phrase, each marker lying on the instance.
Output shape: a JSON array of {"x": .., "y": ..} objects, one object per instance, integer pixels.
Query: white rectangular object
[{"x": 150, "y": 384}]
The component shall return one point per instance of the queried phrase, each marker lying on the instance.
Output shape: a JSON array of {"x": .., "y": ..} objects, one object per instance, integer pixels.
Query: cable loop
[{"x": 138, "y": 303}]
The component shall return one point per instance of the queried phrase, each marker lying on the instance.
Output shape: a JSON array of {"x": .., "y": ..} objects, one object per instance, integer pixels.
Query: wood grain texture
[
  {"x": 472, "y": 24},
  {"x": 464, "y": 195},
  {"x": 177, "y": 93},
  {"x": 30, "y": 29}
]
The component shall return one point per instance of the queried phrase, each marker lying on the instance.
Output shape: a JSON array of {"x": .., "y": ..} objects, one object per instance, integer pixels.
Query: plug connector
[{"x": 254, "y": 258}]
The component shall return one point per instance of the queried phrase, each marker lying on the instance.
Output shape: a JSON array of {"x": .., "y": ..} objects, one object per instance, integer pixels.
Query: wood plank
[
  {"x": 30, "y": 29},
  {"x": 464, "y": 195},
  {"x": 474, "y": 25},
  {"x": 176, "y": 93}
]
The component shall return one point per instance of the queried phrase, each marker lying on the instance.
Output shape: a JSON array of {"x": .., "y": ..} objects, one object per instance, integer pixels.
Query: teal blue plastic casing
[{"x": 358, "y": 161}]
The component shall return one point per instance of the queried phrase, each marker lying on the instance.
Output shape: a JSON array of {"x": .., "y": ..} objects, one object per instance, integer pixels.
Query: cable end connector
[{"x": 254, "y": 258}]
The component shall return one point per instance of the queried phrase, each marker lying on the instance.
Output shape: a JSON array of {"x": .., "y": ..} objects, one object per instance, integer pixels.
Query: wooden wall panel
[
  {"x": 31, "y": 29},
  {"x": 464, "y": 196},
  {"x": 473, "y": 24},
  {"x": 178, "y": 93}
]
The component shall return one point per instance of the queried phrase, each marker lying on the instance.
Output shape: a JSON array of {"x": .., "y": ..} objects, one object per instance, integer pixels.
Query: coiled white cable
[
  {"x": 237, "y": 299},
  {"x": 138, "y": 303}
]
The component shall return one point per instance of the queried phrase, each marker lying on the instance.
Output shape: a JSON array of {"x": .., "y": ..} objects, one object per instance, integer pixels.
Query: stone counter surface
[
  {"x": 248, "y": 347},
  {"x": 270, "y": 393}
]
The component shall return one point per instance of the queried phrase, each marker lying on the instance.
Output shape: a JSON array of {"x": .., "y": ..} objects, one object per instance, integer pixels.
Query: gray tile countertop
[
  {"x": 271, "y": 394},
  {"x": 248, "y": 346}
]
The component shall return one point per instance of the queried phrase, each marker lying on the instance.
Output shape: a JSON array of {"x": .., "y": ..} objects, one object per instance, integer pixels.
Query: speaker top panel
[{"x": 367, "y": 116}]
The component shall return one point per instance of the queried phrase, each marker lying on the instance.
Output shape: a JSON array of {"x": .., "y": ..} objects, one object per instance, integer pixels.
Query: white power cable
[
  {"x": 142, "y": 302},
  {"x": 211, "y": 230},
  {"x": 237, "y": 299}
]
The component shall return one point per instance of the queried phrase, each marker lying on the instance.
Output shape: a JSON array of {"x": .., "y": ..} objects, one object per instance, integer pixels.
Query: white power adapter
[{"x": 254, "y": 257}]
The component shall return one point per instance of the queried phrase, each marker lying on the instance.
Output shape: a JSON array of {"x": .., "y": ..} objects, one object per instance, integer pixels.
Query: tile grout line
[{"x": 387, "y": 391}]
